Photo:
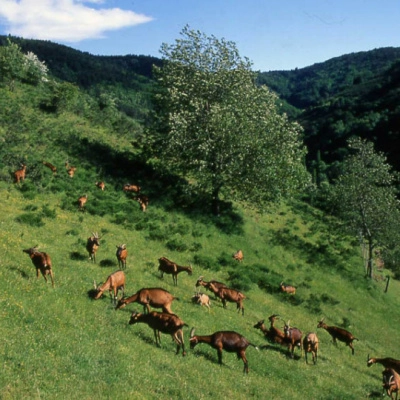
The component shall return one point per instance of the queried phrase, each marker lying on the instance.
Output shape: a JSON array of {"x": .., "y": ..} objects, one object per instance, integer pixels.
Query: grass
[{"x": 58, "y": 343}]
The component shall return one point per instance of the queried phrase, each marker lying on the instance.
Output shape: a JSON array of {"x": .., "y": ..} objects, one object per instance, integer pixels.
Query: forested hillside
[{"x": 354, "y": 94}]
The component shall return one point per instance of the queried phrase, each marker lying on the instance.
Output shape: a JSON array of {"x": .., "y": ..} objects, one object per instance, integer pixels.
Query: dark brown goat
[
  {"x": 386, "y": 362},
  {"x": 42, "y": 263},
  {"x": 229, "y": 341},
  {"x": 92, "y": 244},
  {"x": 391, "y": 382},
  {"x": 168, "y": 267},
  {"x": 273, "y": 334},
  {"x": 310, "y": 345},
  {"x": 114, "y": 283},
  {"x": 229, "y": 295},
  {"x": 19, "y": 175},
  {"x": 293, "y": 337},
  {"x": 338, "y": 334},
  {"x": 165, "y": 323},
  {"x": 154, "y": 297},
  {"x": 121, "y": 254},
  {"x": 50, "y": 166}
]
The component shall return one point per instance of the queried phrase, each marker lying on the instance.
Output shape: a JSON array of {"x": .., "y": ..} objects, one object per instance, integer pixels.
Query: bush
[
  {"x": 30, "y": 219},
  {"x": 176, "y": 245}
]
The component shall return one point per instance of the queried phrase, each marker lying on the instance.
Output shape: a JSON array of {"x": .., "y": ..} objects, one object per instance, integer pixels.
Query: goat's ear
[{"x": 94, "y": 284}]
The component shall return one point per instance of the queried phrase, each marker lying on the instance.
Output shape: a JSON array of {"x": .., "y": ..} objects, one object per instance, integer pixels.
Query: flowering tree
[{"x": 214, "y": 125}]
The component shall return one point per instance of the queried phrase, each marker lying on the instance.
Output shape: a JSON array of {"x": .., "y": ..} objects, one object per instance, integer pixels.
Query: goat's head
[
  {"x": 31, "y": 250},
  {"x": 321, "y": 324},
  {"x": 190, "y": 270},
  {"x": 259, "y": 324},
  {"x": 134, "y": 318},
  {"x": 199, "y": 281}
]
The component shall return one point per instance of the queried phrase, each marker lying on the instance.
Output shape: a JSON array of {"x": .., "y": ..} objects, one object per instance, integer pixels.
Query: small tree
[
  {"x": 365, "y": 196},
  {"x": 214, "y": 125}
]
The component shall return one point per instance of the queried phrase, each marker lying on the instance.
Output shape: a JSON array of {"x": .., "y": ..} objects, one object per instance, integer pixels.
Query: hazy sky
[{"x": 273, "y": 34}]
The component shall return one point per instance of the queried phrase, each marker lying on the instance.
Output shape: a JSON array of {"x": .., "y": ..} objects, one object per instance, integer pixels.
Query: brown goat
[
  {"x": 114, "y": 283},
  {"x": 121, "y": 254},
  {"x": 231, "y": 295},
  {"x": 216, "y": 285},
  {"x": 131, "y": 188},
  {"x": 51, "y": 166},
  {"x": 273, "y": 334},
  {"x": 154, "y": 297},
  {"x": 42, "y": 263},
  {"x": 386, "y": 362},
  {"x": 168, "y": 267},
  {"x": 165, "y": 323},
  {"x": 202, "y": 299},
  {"x": 238, "y": 255},
  {"x": 82, "y": 201},
  {"x": 287, "y": 288},
  {"x": 293, "y": 337},
  {"x": 19, "y": 175},
  {"x": 310, "y": 345},
  {"x": 229, "y": 341},
  {"x": 142, "y": 200},
  {"x": 101, "y": 185},
  {"x": 391, "y": 382},
  {"x": 92, "y": 244},
  {"x": 338, "y": 334},
  {"x": 70, "y": 169}
]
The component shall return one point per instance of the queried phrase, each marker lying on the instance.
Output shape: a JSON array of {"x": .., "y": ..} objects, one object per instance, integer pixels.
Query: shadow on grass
[{"x": 20, "y": 271}]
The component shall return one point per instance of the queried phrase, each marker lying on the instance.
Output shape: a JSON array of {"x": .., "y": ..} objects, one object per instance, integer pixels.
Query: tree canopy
[
  {"x": 216, "y": 126},
  {"x": 366, "y": 197}
]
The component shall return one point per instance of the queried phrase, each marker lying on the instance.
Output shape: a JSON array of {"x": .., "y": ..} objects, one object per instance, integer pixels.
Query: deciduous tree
[
  {"x": 216, "y": 126},
  {"x": 366, "y": 197}
]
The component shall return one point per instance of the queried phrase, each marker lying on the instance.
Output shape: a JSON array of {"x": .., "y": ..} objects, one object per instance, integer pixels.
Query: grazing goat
[
  {"x": 391, "y": 382},
  {"x": 92, "y": 244},
  {"x": 51, "y": 166},
  {"x": 338, "y": 334},
  {"x": 122, "y": 254},
  {"x": 42, "y": 263},
  {"x": 101, "y": 185},
  {"x": 142, "y": 200},
  {"x": 293, "y": 337},
  {"x": 287, "y": 288},
  {"x": 19, "y": 175},
  {"x": 82, "y": 201},
  {"x": 165, "y": 323},
  {"x": 386, "y": 362},
  {"x": 310, "y": 345},
  {"x": 231, "y": 295},
  {"x": 154, "y": 297},
  {"x": 131, "y": 188},
  {"x": 168, "y": 267},
  {"x": 70, "y": 169},
  {"x": 238, "y": 255},
  {"x": 273, "y": 334},
  {"x": 202, "y": 299},
  {"x": 216, "y": 285},
  {"x": 229, "y": 341},
  {"x": 114, "y": 283}
]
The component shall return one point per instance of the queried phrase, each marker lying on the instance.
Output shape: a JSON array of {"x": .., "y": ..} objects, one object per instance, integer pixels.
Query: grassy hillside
[{"x": 60, "y": 344}]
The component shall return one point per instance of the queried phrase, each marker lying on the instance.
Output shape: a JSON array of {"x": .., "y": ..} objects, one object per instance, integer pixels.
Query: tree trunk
[{"x": 370, "y": 251}]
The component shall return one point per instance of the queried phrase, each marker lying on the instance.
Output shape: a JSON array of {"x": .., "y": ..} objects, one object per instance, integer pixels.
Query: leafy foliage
[{"x": 213, "y": 123}]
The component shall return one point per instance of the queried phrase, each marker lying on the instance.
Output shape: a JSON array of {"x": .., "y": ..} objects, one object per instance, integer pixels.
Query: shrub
[
  {"x": 30, "y": 219},
  {"x": 176, "y": 244},
  {"x": 206, "y": 262}
]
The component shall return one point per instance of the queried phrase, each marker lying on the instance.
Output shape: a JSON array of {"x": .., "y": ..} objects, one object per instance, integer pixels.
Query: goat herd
[{"x": 169, "y": 323}]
